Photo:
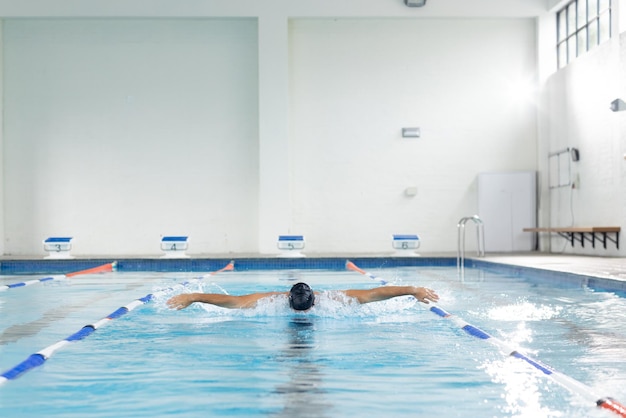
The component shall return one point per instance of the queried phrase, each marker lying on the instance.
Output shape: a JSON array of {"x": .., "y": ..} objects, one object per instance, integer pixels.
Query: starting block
[
  {"x": 290, "y": 245},
  {"x": 58, "y": 247},
  {"x": 405, "y": 244},
  {"x": 174, "y": 246}
]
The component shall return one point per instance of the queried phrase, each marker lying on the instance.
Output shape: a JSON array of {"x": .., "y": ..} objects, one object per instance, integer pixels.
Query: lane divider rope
[
  {"x": 39, "y": 358},
  {"x": 105, "y": 268},
  {"x": 567, "y": 382}
]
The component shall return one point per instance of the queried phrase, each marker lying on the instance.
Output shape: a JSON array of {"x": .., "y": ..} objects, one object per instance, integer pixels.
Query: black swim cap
[{"x": 301, "y": 297}]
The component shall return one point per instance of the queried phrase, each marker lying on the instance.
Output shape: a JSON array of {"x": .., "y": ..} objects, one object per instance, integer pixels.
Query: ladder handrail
[{"x": 480, "y": 237}]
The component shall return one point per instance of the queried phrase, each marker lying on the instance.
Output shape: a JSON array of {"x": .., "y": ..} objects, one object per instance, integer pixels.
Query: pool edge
[{"x": 64, "y": 266}]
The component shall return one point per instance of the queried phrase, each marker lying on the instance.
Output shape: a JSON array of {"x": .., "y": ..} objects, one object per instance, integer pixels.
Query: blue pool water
[{"x": 391, "y": 358}]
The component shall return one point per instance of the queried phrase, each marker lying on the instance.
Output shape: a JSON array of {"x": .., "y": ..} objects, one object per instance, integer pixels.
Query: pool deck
[{"x": 613, "y": 268}]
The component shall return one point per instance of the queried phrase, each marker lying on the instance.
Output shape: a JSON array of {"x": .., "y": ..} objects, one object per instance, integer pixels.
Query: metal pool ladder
[{"x": 480, "y": 238}]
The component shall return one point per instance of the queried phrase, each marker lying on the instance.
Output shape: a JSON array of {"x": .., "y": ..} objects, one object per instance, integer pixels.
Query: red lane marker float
[
  {"x": 39, "y": 358},
  {"x": 105, "y": 268},
  {"x": 109, "y": 267},
  {"x": 229, "y": 267},
  {"x": 567, "y": 382}
]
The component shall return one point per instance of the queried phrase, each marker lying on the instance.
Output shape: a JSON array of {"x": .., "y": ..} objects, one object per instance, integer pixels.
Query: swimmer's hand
[
  {"x": 425, "y": 295},
  {"x": 181, "y": 301}
]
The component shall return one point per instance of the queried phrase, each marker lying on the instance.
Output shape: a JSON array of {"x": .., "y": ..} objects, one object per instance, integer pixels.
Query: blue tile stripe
[
  {"x": 51, "y": 267},
  {"x": 191, "y": 265}
]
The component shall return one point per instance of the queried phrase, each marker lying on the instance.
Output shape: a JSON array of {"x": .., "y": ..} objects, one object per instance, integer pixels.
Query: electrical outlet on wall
[
  {"x": 576, "y": 182},
  {"x": 410, "y": 191}
]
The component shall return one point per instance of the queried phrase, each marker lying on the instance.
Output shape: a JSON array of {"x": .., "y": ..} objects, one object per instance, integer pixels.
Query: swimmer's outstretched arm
[
  {"x": 422, "y": 294},
  {"x": 225, "y": 301}
]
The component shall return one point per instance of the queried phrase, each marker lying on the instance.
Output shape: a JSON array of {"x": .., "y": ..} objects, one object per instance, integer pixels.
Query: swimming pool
[{"x": 391, "y": 358}]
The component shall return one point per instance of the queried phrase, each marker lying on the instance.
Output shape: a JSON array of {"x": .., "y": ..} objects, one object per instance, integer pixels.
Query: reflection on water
[
  {"x": 522, "y": 388},
  {"x": 302, "y": 395}
]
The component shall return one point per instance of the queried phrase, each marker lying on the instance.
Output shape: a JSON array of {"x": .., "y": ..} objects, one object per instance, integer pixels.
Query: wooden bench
[{"x": 582, "y": 234}]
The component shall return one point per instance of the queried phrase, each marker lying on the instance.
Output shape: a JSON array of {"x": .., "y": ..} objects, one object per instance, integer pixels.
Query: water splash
[{"x": 523, "y": 311}]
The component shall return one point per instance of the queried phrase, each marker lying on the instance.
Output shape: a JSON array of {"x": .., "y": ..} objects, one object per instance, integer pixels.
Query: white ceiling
[{"x": 290, "y": 8}]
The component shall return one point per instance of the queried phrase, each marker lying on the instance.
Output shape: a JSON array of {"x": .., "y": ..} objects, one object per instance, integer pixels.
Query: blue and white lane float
[
  {"x": 39, "y": 358},
  {"x": 567, "y": 382},
  {"x": 105, "y": 268}
]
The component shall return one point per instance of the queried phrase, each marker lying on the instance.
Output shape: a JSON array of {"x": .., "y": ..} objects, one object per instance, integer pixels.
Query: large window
[{"x": 581, "y": 25}]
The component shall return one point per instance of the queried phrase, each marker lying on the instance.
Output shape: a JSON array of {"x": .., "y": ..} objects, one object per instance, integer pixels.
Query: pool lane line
[
  {"x": 565, "y": 381},
  {"x": 39, "y": 358},
  {"x": 100, "y": 269},
  {"x": 16, "y": 332}
]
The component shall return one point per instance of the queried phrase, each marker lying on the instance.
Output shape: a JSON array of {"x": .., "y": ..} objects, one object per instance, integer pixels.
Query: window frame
[{"x": 587, "y": 31}]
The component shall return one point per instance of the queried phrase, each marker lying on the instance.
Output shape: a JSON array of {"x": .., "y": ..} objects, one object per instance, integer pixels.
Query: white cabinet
[{"x": 507, "y": 203}]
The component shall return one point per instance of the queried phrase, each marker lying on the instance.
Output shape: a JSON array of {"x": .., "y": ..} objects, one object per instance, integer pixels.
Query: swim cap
[{"x": 301, "y": 297}]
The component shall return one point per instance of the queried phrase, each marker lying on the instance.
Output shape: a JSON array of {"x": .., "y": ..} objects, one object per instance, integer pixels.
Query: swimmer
[{"x": 301, "y": 297}]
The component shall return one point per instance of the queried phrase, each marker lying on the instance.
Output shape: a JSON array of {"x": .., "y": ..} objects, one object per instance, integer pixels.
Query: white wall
[
  {"x": 125, "y": 121},
  {"x": 118, "y": 131},
  {"x": 356, "y": 83},
  {"x": 577, "y": 104},
  {"x": 2, "y": 154}
]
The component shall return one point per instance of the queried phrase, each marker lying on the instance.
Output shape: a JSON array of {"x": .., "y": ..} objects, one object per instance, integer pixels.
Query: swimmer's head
[{"x": 301, "y": 297}]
